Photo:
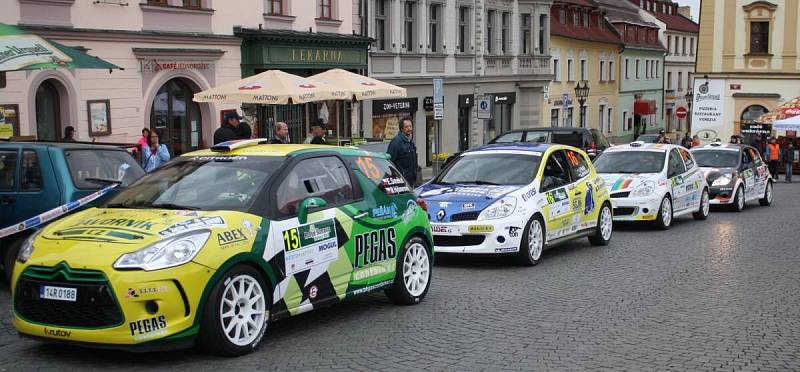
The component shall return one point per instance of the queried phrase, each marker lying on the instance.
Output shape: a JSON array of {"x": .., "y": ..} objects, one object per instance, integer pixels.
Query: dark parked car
[{"x": 37, "y": 177}]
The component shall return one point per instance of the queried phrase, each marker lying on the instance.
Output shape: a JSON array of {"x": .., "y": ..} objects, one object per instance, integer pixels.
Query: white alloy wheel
[
  {"x": 739, "y": 199},
  {"x": 416, "y": 269},
  {"x": 606, "y": 223},
  {"x": 768, "y": 193},
  {"x": 666, "y": 212},
  {"x": 242, "y": 310},
  {"x": 535, "y": 240}
]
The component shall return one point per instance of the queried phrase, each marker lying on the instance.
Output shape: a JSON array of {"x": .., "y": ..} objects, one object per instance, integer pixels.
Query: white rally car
[
  {"x": 653, "y": 182},
  {"x": 517, "y": 199}
]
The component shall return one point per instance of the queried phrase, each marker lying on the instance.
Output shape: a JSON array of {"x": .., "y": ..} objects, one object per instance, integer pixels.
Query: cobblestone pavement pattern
[{"x": 716, "y": 295}]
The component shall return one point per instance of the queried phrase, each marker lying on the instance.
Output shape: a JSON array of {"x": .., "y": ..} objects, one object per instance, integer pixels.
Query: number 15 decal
[{"x": 291, "y": 240}]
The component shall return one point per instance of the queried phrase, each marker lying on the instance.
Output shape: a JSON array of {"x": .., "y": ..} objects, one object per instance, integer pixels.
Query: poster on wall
[
  {"x": 386, "y": 116},
  {"x": 707, "y": 110},
  {"x": 99, "y": 117},
  {"x": 9, "y": 121}
]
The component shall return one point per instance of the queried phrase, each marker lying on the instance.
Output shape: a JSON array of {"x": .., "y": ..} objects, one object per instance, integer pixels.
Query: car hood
[
  {"x": 460, "y": 198},
  {"x": 625, "y": 181},
  {"x": 96, "y": 237}
]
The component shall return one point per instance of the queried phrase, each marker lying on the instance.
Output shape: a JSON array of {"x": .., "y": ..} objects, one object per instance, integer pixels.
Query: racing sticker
[
  {"x": 148, "y": 328},
  {"x": 231, "y": 237},
  {"x": 560, "y": 208},
  {"x": 194, "y": 224},
  {"x": 528, "y": 194},
  {"x": 589, "y": 201},
  {"x": 480, "y": 229},
  {"x": 375, "y": 246},
  {"x": 383, "y": 212},
  {"x": 310, "y": 245},
  {"x": 556, "y": 196}
]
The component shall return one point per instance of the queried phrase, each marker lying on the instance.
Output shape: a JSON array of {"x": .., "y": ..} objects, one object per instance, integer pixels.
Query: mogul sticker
[
  {"x": 193, "y": 224},
  {"x": 310, "y": 245},
  {"x": 375, "y": 246}
]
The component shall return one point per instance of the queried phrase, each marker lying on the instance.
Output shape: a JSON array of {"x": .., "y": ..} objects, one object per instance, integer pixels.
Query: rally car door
[
  {"x": 675, "y": 173},
  {"x": 760, "y": 174},
  {"x": 748, "y": 174},
  {"x": 584, "y": 211},
  {"x": 693, "y": 180},
  {"x": 315, "y": 266},
  {"x": 557, "y": 186}
]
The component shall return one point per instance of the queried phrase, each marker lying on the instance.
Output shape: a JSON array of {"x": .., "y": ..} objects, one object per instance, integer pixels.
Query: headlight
[
  {"x": 499, "y": 209},
  {"x": 644, "y": 189},
  {"x": 26, "y": 250},
  {"x": 169, "y": 252},
  {"x": 722, "y": 180}
]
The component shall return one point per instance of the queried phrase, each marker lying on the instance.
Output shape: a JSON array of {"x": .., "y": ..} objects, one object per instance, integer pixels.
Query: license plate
[{"x": 58, "y": 293}]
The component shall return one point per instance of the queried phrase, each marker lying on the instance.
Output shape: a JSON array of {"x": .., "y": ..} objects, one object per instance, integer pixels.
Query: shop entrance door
[
  {"x": 177, "y": 118},
  {"x": 48, "y": 110},
  {"x": 463, "y": 128}
]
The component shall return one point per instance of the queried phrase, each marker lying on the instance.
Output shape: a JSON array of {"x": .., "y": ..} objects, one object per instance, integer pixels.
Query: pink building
[{"x": 169, "y": 49}]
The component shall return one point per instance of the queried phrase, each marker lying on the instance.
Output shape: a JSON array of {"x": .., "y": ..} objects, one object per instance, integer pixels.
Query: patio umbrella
[
  {"x": 792, "y": 123},
  {"x": 273, "y": 87},
  {"x": 787, "y": 110},
  {"x": 359, "y": 87},
  {"x": 20, "y": 50}
]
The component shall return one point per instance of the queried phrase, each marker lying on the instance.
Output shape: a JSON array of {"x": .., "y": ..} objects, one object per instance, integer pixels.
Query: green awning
[{"x": 20, "y": 50}]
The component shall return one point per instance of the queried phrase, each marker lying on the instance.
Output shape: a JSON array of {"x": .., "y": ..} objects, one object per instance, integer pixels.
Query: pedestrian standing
[
  {"x": 773, "y": 156},
  {"x": 232, "y": 129},
  {"x": 281, "y": 135},
  {"x": 696, "y": 141},
  {"x": 788, "y": 159},
  {"x": 155, "y": 154},
  {"x": 403, "y": 151},
  {"x": 69, "y": 134},
  {"x": 141, "y": 144},
  {"x": 687, "y": 141},
  {"x": 317, "y": 134}
]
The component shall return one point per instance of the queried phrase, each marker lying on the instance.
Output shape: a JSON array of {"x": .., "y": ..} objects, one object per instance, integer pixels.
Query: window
[
  {"x": 687, "y": 159},
  {"x": 490, "y": 31},
  {"x": 157, "y": 2},
  {"x": 625, "y": 121},
  {"x": 570, "y": 70},
  {"x": 381, "y": 30},
  {"x": 637, "y": 69},
  {"x": 669, "y": 44},
  {"x": 543, "y": 22},
  {"x": 556, "y": 69},
  {"x": 276, "y": 7},
  {"x": 586, "y": 19},
  {"x": 583, "y": 69},
  {"x": 463, "y": 29},
  {"x": 688, "y": 80},
  {"x": 627, "y": 68},
  {"x": 582, "y": 116},
  {"x": 658, "y": 69},
  {"x": 326, "y": 9},
  {"x": 691, "y": 46},
  {"x": 608, "y": 119},
  {"x": 562, "y": 15},
  {"x": 683, "y": 42},
  {"x": 579, "y": 165},
  {"x": 435, "y": 33},
  {"x": 8, "y": 159},
  {"x": 669, "y": 79},
  {"x": 676, "y": 166},
  {"x": 602, "y": 70},
  {"x": 504, "y": 20},
  {"x": 612, "y": 74},
  {"x": 568, "y": 122},
  {"x": 759, "y": 37},
  {"x": 647, "y": 69},
  {"x": 325, "y": 177},
  {"x": 526, "y": 34},
  {"x": 30, "y": 177},
  {"x": 197, "y": 4},
  {"x": 576, "y": 18},
  {"x": 377, "y": 170},
  {"x": 115, "y": 165},
  {"x": 601, "y": 114},
  {"x": 410, "y": 15},
  {"x": 680, "y": 81},
  {"x": 553, "y": 121},
  {"x": 556, "y": 172}
]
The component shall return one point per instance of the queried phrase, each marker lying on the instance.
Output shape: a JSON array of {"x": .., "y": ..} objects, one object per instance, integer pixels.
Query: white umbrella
[
  {"x": 273, "y": 87},
  {"x": 792, "y": 123},
  {"x": 358, "y": 86}
]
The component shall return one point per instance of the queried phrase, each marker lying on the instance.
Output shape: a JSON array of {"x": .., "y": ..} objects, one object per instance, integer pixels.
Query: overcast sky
[{"x": 695, "y": 4}]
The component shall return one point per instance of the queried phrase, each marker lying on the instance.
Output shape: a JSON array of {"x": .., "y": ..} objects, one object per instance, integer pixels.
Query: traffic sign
[
  {"x": 681, "y": 112},
  {"x": 485, "y": 105},
  {"x": 438, "y": 99}
]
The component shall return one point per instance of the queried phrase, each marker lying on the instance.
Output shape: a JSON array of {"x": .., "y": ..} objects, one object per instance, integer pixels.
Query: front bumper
[
  {"x": 119, "y": 309},
  {"x": 636, "y": 209},
  {"x": 476, "y": 237},
  {"x": 721, "y": 195}
]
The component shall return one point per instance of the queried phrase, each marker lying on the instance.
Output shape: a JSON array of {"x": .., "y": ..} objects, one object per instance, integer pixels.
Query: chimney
[{"x": 685, "y": 11}]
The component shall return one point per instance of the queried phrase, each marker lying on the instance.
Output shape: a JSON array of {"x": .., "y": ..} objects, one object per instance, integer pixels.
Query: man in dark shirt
[
  {"x": 232, "y": 129},
  {"x": 403, "y": 151},
  {"x": 317, "y": 135},
  {"x": 281, "y": 135}
]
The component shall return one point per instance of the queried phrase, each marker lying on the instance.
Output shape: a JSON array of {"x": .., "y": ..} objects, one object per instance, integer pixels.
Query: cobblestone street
[{"x": 721, "y": 294}]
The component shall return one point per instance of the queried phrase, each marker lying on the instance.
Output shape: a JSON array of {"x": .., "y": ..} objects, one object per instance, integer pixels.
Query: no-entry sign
[{"x": 681, "y": 112}]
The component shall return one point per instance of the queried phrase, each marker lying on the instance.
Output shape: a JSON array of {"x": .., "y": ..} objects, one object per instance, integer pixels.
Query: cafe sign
[{"x": 156, "y": 65}]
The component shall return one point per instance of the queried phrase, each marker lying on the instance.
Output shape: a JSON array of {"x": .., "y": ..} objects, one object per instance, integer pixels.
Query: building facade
[
  {"x": 169, "y": 49},
  {"x": 641, "y": 62},
  {"x": 679, "y": 34},
  {"x": 585, "y": 50},
  {"x": 747, "y": 63},
  {"x": 479, "y": 47}
]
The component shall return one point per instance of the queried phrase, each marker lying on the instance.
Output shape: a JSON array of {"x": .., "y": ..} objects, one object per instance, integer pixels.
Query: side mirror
[{"x": 307, "y": 205}]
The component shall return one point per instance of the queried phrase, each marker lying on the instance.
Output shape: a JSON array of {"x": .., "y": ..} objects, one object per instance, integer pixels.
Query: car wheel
[
  {"x": 738, "y": 200},
  {"x": 413, "y": 274},
  {"x": 533, "y": 239},
  {"x": 767, "y": 199},
  {"x": 605, "y": 226},
  {"x": 702, "y": 211},
  {"x": 664, "y": 220},
  {"x": 236, "y": 314},
  {"x": 10, "y": 258}
]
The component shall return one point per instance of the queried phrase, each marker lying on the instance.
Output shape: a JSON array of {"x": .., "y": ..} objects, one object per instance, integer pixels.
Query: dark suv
[{"x": 590, "y": 140}]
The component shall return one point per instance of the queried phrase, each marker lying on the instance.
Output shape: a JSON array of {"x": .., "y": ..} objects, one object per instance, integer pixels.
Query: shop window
[
  {"x": 8, "y": 161},
  {"x": 562, "y": 15},
  {"x": 464, "y": 31},
  {"x": 382, "y": 10},
  {"x": 759, "y": 37}
]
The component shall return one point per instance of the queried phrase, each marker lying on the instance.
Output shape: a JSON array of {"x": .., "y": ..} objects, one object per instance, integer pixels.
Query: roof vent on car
[
  {"x": 637, "y": 143},
  {"x": 238, "y": 144}
]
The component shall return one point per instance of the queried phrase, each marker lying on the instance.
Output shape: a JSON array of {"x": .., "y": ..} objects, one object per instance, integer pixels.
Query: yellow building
[
  {"x": 747, "y": 64},
  {"x": 585, "y": 49}
]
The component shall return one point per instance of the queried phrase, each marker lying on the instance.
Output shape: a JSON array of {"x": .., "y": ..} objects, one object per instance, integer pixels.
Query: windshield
[
  {"x": 717, "y": 158},
  {"x": 630, "y": 162},
  {"x": 201, "y": 183},
  {"x": 101, "y": 165},
  {"x": 500, "y": 168}
]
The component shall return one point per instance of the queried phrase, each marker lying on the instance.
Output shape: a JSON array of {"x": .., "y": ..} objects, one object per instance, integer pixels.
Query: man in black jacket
[
  {"x": 281, "y": 134},
  {"x": 403, "y": 151},
  {"x": 232, "y": 129}
]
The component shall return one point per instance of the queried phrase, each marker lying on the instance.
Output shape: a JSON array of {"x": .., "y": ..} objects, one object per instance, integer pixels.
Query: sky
[{"x": 695, "y": 4}]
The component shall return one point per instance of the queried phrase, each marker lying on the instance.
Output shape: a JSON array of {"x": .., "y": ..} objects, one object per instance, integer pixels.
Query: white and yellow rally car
[{"x": 216, "y": 244}]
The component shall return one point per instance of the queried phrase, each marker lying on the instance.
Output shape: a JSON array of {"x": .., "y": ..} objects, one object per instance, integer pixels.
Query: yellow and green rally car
[{"x": 218, "y": 243}]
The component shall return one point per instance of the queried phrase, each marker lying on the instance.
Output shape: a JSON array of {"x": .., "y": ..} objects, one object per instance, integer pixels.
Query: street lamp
[
  {"x": 689, "y": 96},
  {"x": 581, "y": 92}
]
